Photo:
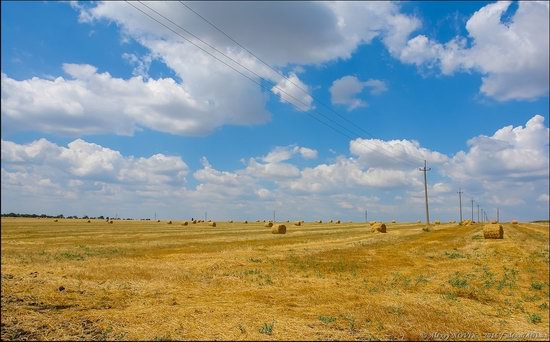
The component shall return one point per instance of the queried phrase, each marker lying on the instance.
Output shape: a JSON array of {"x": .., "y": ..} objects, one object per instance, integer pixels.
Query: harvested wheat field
[{"x": 141, "y": 280}]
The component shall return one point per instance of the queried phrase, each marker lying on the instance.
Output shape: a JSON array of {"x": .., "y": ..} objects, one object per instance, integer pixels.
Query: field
[{"x": 144, "y": 280}]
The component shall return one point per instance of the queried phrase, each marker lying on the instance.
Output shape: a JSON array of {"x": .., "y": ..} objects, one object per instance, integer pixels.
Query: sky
[{"x": 314, "y": 110}]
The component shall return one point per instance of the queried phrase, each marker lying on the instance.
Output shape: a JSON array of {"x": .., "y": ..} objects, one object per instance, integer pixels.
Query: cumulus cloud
[
  {"x": 515, "y": 153},
  {"x": 209, "y": 94},
  {"x": 393, "y": 153},
  {"x": 345, "y": 90},
  {"x": 282, "y": 153},
  {"x": 512, "y": 56},
  {"x": 507, "y": 169},
  {"x": 94, "y": 103}
]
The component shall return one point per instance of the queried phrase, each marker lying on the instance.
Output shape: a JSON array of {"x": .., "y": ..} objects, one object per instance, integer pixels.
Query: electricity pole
[
  {"x": 498, "y": 218},
  {"x": 425, "y": 169},
  {"x": 472, "y": 209},
  {"x": 460, "y": 192},
  {"x": 205, "y": 216},
  {"x": 478, "y": 212},
  {"x": 273, "y": 216},
  {"x": 366, "y": 220},
  {"x": 155, "y": 215}
]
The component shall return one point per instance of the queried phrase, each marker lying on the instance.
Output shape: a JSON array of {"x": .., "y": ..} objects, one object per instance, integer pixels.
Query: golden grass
[{"x": 139, "y": 280}]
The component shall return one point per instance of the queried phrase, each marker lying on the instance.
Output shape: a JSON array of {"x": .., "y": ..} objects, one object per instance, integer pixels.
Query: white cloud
[
  {"x": 345, "y": 90},
  {"x": 282, "y": 153},
  {"x": 506, "y": 170},
  {"x": 95, "y": 103},
  {"x": 512, "y": 56},
  {"x": 393, "y": 153},
  {"x": 290, "y": 90},
  {"x": 514, "y": 153}
]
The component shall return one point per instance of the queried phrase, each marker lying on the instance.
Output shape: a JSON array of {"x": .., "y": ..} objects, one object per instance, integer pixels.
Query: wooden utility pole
[
  {"x": 426, "y": 169},
  {"x": 273, "y": 216},
  {"x": 478, "y": 212},
  {"x": 472, "y": 209},
  {"x": 205, "y": 216},
  {"x": 498, "y": 216},
  {"x": 366, "y": 217},
  {"x": 460, "y": 192}
]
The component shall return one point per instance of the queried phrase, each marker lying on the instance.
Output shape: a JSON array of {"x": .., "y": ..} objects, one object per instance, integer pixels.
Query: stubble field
[{"x": 144, "y": 280}]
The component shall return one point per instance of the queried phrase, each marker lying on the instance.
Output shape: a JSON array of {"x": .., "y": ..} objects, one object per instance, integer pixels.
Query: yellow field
[{"x": 155, "y": 281}]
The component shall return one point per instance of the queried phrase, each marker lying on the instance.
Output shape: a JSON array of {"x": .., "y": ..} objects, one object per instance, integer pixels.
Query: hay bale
[
  {"x": 493, "y": 231},
  {"x": 319, "y": 221},
  {"x": 231, "y": 221},
  {"x": 185, "y": 223},
  {"x": 466, "y": 223},
  {"x": 437, "y": 222},
  {"x": 338, "y": 222},
  {"x": 330, "y": 221},
  {"x": 89, "y": 221},
  {"x": 245, "y": 221},
  {"x": 378, "y": 227},
  {"x": 194, "y": 221},
  {"x": 298, "y": 223},
  {"x": 278, "y": 229},
  {"x": 393, "y": 221},
  {"x": 494, "y": 222},
  {"x": 212, "y": 224},
  {"x": 55, "y": 220},
  {"x": 158, "y": 220},
  {"x": 268, "y": 225},
  {"x": 514, "y": 222},
  {"x": 169, "y": 222},
  {"x": 418, "y": 221},
  {"x": 111, "y": 221}
]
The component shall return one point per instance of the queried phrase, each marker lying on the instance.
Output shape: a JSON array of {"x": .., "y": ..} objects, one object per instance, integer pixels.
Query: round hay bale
[
  {"x": 493, "y": 231},
  {"x": 437, "y": 222},
  {"x": 330, "y": 221},
  {"x": 418, "y": 221},
  {"x": 298, "y": 223},
  {"x": 514, "y": 222},
  {"x": 245, "y": 221},
  {"x": 89, "y": 221},
  {"x": 319, "y": 221},
  {"x": 494, "y": 221},
  {"x": 378, "y": 227},
  {"x": 158, "y": 220},
  {"x": 212, "y": 224},
  {"x": 185, "y": 223},
  {"x": 466, "y": 223},
  {"x": 372, "y": 222},
  {"x": 231, "y": 221},
  {"x": 268, "y": 225},
  {"x": 56, "y": 220},
  {"x": 194, "y": 221},
  {"x": 393, "y": 221},
  {"x": 278, "y": 229},
  {"x": 111, "y": 221},
  {"x": 338, "y": 222},
  {"x": 169, "y": 222}
]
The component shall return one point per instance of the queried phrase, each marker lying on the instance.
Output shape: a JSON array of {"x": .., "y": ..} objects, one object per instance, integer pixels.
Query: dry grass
[{"x": 139, "y": 280}]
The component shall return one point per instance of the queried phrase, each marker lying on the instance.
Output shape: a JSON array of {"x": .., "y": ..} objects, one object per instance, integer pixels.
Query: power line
[
  {"x": 276, "y": 71},
  {"x": 253, "y": 80}
]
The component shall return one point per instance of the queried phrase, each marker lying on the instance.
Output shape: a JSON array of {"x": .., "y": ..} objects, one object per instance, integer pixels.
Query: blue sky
[{"x": 444, "y": 83}]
